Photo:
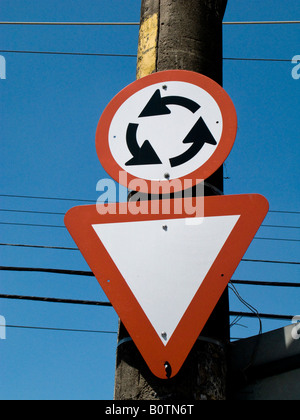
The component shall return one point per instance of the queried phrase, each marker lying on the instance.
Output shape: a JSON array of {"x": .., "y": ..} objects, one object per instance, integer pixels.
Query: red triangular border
[{"x": 252, "y": 209}]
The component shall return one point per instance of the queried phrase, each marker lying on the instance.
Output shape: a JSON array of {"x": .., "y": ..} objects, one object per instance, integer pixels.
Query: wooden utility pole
[{"x": 181, "y": 35}]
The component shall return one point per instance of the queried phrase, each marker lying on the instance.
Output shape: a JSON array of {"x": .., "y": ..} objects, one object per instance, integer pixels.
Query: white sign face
[
  {"x": 174, "y": 271},
  {"x": 165, "y": 131}
]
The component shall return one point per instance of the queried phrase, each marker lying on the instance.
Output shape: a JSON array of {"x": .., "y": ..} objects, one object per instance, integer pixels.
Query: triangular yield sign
[{"x": 164, "y": 274}]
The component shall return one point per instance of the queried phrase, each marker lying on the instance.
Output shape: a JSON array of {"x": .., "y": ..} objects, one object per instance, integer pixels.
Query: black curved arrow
[
  {"x": 144, "y": 155},
  {"x": 199, "y": 135},
  {"x": 158, "y": 105}
]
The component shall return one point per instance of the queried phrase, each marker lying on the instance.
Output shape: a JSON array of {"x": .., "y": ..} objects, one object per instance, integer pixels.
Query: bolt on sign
[{"x": 165, "y": 273}]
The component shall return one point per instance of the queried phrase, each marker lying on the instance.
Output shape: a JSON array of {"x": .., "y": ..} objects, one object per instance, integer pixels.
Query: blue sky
[{"x": 50, "y": 106}]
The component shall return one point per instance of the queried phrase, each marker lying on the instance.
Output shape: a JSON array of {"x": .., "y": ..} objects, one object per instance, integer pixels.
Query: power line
[
  {"x": 265, "y": 283},
  {"x": 63, "y": 214},
  {"x": 48, "y": 198},
  {"x": 75, "y": 249},
  {"x": 62, "y": 248},
  {"x": 132, "y": 55},
  {"x": 261, "y": 315},
  {"x": 58, "y": 329},
  {"x": 276, "y": 60},
  {"x": 108, "y": 304},
  {"x": 90, "y": 273},
  {"x": 94, "y": 201},
  {"x": 48, "y": 270},
  {"x": 271, "y": 261},
  {"x": 253, "y": 310},
  {"x": 253, "y": 314},
  {"x": 32, "y": 225},
  {"x": 284, "y": 211},
  {"x": 63, "y": 227},
  {"x": 264, "y": 22},
  {"x": 70, "y": 53},
  {"x": 277, "y": 239},
  {"x": 281, "y": 226},
  {"x": 275, "y": 22},
  {"x": 41, "y": 247},
  {"x": 55, "y": 300},
  {"x": 98, "y": 331},
  {"x": 241, "y": 314},
  {"x": 33, "y": 212},
  {"x": 72, "y": 23}
]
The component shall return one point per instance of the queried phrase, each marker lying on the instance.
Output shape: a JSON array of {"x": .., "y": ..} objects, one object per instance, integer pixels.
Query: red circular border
[{"x": 210, "y": 166}]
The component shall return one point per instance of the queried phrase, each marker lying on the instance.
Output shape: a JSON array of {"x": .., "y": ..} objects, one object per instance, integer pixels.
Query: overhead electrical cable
[
  {"x": 261, "y": 22},
  {"x": 48, "y": 270},
  {"x": 63, "y": 248},
  {"x": 90, "y": 274},
  {"x": 246, "y": 304},
  {"x": 277, "y": 239},
  {"x": 271, "y": 261},
  {"x": 55, "y": 300},
  {"x": 63, "y": 214},
  {"x": 281, "y": 226},
  {"x": 94, "y": 201},
  {"x": 107, "y": 304},
  {"x": 69, "y": 53},
  {"x": 266, "y": 283},
  {"x": 58, "y": 329},
  {"x": 71, "y": 23},
  {"x": 242, "y": 314},
  {"x": 48, "y": 198},
  {"x": 284, "y": 60},
  {"x": 32, "y": 225},
  {"x": 63, "y": 227},
  {"x": 32, "y": 212},
  {"x": 262, "y": 315}
]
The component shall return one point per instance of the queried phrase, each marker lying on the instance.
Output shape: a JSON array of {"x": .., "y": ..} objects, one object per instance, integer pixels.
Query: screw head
[{"x": 164, "y": 335}]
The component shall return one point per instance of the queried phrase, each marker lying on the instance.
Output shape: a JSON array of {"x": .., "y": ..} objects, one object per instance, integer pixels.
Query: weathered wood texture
[
  {"x": 202, "y": 376},
  {"x": 187, "y": 35}
]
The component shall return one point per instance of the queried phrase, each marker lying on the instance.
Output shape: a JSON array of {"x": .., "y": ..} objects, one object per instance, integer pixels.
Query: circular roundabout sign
[{"x": 170, "y": 125}]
